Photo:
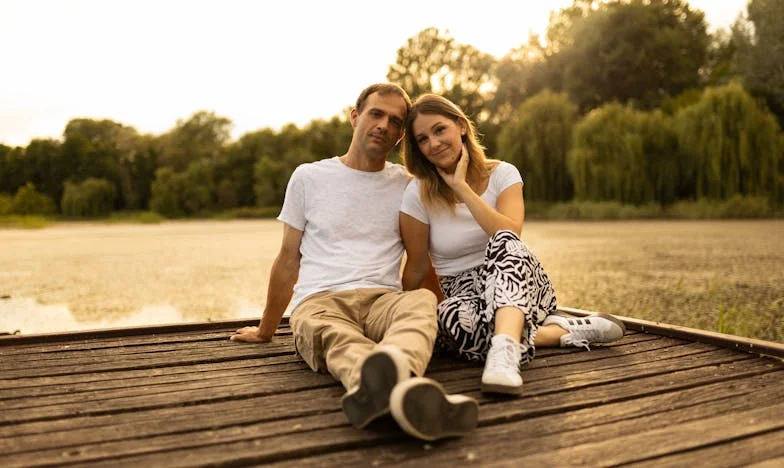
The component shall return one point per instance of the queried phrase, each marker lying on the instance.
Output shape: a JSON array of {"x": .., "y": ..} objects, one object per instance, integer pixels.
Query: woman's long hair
[{"x": 435, "y": 193}]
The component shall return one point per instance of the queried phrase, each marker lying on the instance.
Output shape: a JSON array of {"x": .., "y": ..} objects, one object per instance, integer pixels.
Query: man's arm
[{"x": 283, "y": 276}]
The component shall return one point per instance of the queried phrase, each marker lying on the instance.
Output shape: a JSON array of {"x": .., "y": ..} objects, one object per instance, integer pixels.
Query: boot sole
[
  {"x": 380, "y": 372},
  {"x": 422, "y": 409},
  {"x": 502, "y": 389}
]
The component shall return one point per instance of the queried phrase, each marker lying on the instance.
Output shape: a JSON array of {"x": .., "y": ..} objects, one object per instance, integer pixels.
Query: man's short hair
[{"x": 382, "y": 89}]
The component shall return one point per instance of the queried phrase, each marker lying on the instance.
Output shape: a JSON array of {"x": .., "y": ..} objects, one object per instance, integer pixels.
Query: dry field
[{"x": 715, "y": 275}]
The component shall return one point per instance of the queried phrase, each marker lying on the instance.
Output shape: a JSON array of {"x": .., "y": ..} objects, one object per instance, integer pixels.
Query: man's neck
[{"x": 363, "y": 162}]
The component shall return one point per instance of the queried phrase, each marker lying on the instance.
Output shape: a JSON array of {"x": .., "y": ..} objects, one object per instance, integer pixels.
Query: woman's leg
[
  {"x": 519, "y": 294},
  {"x": 463, "y": 328}
]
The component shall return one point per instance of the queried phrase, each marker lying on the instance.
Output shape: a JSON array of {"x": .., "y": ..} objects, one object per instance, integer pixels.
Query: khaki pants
[{"x": 335, "y": 331}]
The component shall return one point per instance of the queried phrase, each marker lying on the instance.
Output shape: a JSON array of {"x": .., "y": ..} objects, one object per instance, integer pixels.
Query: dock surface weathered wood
[{"x": 186, "y": 396}]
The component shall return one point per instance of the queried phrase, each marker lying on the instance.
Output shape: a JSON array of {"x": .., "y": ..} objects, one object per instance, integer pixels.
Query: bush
[
  {"x": 168, "y": 193},
  {"x": 258, "y": 212},
  {"x": 5, "y": 204},
  {"x": 746, "y": 207},
  {"x": 28, "y": 201},
  {"x": 587, "y": 210},
  {"x": 737, "y": 206},
  {"x": 91, "y": 198}
]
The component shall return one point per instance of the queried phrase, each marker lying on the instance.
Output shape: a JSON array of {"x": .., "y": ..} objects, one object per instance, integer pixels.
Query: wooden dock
[{"x": 184, "y": 395}]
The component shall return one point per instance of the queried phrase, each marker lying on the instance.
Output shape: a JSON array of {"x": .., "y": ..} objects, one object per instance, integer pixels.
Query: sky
[{"x": 148, "y": 63}]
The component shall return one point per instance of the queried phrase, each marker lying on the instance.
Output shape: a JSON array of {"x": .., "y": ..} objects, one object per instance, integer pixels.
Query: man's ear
[
  {"x": 353, "y": 117},
  {"x": 402, "y": 135}
]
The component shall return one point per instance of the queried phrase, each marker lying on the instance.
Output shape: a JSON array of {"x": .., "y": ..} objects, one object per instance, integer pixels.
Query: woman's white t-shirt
[{"x": 457, "y": 242}]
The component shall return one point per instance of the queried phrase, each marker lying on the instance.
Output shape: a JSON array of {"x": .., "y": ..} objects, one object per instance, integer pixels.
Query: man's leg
[
  {"x": 329, "y": 337},
  {"x": 406, "y": 320},
  {"x": 420, "y": 405}
]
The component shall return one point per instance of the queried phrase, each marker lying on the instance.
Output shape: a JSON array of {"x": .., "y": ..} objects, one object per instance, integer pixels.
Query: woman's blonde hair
[{"x": 435, "y": 193}]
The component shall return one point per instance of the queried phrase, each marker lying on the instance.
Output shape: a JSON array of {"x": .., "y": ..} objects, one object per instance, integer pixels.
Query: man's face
[{"x": 380, "y": 125}]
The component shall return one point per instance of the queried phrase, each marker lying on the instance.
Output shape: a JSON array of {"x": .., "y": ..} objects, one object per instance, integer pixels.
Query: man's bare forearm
[{"x": 284, "y": 273}]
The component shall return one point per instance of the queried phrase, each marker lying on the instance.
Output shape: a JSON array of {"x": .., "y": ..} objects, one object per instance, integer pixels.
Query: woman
[{"x": 465, "y": 214}]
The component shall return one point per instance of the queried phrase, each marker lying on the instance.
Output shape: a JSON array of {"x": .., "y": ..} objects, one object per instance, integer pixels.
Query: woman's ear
[{"x": 464, "y": 137}]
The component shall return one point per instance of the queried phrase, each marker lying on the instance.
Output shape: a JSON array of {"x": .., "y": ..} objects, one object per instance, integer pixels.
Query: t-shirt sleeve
[
  {"x": 412, "y": 204},
  {"x": 506, "y": 175},
  {"x": 293, "y": 211}
]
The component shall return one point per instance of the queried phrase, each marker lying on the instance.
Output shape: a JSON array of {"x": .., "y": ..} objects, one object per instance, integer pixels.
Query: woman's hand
[{"x": 455, "y": 179}]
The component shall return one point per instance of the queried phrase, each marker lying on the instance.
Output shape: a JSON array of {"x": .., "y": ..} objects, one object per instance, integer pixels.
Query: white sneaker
[
  {"x": 384, "y": 368},
  {"x": 423, "y": 409},
  {"x": 502, "y": 369},
  {"x": 584, "y": 331}
]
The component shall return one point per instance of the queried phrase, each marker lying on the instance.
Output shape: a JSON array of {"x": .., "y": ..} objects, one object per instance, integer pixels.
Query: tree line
[{"x": 631, "y": 101}]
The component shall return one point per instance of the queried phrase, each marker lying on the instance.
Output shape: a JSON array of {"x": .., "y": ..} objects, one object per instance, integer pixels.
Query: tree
[
  {"x": 720, "y": 64},
  {"x": 45, "y": 167},
  {"x": 101, "y": 149},
  {"x": 168, "y": 193},
  {"x": 635, "y": 51},
  {"x": 537, "y": 140},
  {"x": 431, "y": 62},
  {"x": 199, "y": 194},
  {"x": 28, "y": 201},
  {"x": 760, "y": 41},
  {"x": 203, "y": 136},
  {"x": 90, "y": 198},
  {"x": 735, "y": 145},
  {"x": 271, "y": 175},
  {"x": 614, "y": 158}
]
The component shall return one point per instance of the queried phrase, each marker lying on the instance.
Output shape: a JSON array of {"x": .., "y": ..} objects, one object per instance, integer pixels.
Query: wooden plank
[
  {"x": 674, "y": 438},
  {"x": 14, "y": 340},
  {"x": 156, "y": 352},
  {"x": 111, "y": 378},
  {"x": 128, "y": 399},
  {"x": 758, "y": 450},
  {"x": 186, "y": 394},
  {"x": 587, "y": 417},
  {"x": 772, "y": 463},
  {"x": 549, "y": 440},
  {"x": 39, "y": 387},
  {"x": 147, "y": 379},
  {"x": 149, "y": 386},
  {"x": 348, "y": 446},
  {"x": 293, "y": 405},
  {"x": 124, "y": 342},
  {"x": 739, "y": 343},
  {"x": 232, "y": 352}
]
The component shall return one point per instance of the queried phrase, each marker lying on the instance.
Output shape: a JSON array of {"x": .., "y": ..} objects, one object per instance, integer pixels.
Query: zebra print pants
[{"x": 510, "y": 276}]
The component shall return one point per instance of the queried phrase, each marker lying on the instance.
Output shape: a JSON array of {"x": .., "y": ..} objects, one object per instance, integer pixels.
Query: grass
[
  {"x": 24, "y": 221},
  {"x": 736, "y": 207},
  {"x": 722, "y": 276}
]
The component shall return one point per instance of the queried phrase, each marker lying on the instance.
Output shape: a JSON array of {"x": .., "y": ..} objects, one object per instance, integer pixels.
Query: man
[{"x": 340, "y": 258}]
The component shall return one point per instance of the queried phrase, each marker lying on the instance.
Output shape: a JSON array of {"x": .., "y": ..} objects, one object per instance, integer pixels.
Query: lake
[{"x": 715, "y": 275}]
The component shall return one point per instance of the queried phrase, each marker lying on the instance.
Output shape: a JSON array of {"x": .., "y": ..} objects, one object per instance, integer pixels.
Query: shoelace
[
  {"x": 569, "y": 339},
  {"x": 503, "y": 358}
]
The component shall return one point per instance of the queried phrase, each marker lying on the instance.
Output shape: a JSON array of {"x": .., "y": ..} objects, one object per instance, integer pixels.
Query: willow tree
[
  {"x": 734, "y": 143},
  {"x": 608, "y": 160},
  {"x": 537, "y": 140}
]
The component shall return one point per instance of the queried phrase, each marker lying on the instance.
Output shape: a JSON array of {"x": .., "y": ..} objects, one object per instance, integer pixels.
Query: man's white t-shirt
[
  {"x": 350, "y": 223},
  {"x": 457, "y": 242}
]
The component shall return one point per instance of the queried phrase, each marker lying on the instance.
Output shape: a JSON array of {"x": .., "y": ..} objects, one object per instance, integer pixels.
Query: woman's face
[{"x": 439, "y": 138}]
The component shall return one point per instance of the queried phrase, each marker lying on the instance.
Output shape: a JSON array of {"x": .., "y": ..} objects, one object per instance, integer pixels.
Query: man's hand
[{"x": 249, "y": 335}]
